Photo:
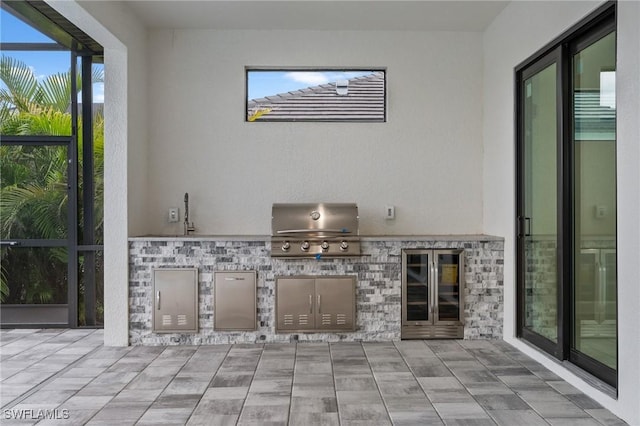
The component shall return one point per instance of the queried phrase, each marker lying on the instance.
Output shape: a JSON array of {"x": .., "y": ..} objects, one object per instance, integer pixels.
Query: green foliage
[{"x": 34, "y": 181}]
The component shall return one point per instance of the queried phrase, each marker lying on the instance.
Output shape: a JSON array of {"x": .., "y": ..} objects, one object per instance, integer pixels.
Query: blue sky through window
[
  {"x": 13, "y": 30},
  {"x": 261, "y": 83},
  {"x": 42, "y": 63}
]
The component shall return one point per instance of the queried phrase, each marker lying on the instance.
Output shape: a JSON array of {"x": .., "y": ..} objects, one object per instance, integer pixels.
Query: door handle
[
  {"x": 310, "y": 303},
  {"x": 319, "y": 301},
  {"x": 9, "y": 243},
  {"x": 158, "y": 299},
  {"x": 433, "y": 291},
  {"x": 233, "y": 279},
  {"x": 434, "y": 277},
  {"x": 524, "y": 226}
]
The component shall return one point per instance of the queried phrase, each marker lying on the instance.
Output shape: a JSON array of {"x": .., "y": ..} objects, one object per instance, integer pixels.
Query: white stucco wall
[
  {"x": 426, "y": 160},
  {"x": 520, "y": 30},
  {"x": 125, "y": 172},
  {"x": 445, "y": 157}
]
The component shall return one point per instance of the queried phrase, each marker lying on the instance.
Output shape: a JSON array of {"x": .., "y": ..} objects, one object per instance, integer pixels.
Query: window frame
[{"x": 265, "y": 119}]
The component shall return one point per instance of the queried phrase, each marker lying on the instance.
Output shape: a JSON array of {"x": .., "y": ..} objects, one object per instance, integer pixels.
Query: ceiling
[{"x": 389, "y": 15}]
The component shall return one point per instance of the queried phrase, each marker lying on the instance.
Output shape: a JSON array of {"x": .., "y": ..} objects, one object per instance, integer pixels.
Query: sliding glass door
[
  {"x": 593, "y": 326},
  {"x": 538, "y": 221},
  {"x": 566, "y": 198}
]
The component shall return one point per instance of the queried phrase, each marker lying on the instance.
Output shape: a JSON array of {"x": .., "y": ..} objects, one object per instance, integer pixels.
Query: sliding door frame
[
  {"x": 552, "y": 57},
  {"x": 596, "y": 25}
]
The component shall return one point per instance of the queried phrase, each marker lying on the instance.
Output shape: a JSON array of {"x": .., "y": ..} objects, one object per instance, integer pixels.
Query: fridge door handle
[
  {"x": 158, "y": 299},
  {"x": 433, "y": 290}
]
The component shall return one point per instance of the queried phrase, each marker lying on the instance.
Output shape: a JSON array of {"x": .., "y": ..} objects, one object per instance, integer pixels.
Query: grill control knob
[
  {"x": 305, "y": 246},
  {"x": 325, "y": 245},
  {"x": 286, "y": 246},
  {"x": 344, "y": 245}
]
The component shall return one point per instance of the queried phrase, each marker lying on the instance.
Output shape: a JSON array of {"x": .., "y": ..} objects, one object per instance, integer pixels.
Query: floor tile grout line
[
  {"x": 480, "y": 354},
  {"x": 106, "y": 370},
  {"x": 460, "y": 381},
  {"x": 447, "y": 367},
  {"x": 416, "y": 379},
  {"x": 386, "y": 407},
  {"x": 118, "y": 393},
  {"x": 384, "y": 403},
  {"x": 545, "y": 381},
  {"x": 53, "y": 336},
  {"x": 293, "y": 379},
  {"x": 163, "y": 389},
  {"x": 26, "y": 349},
  {"x": 506, "y": 384},
  {"x": 335, "y": 385},
  {"x": 43, "y": 382},
  {"x": 208, "y": 385},
  {"x": 252, "y": 379},
  {"x": 26, "y": 336},
  {"x": 54, "y": 376}
]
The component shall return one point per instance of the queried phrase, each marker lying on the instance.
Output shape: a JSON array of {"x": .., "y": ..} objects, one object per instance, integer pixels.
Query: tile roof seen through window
[{"x": 364, "y": 101}]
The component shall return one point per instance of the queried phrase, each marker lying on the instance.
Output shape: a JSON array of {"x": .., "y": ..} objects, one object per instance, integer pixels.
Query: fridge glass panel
[
  {"x": 417, "y": 290},
  {"x": 448, "y": 287}
]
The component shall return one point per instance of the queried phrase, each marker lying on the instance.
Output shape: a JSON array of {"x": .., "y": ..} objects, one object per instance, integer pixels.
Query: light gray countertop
[{"x": 196, "y": 237}]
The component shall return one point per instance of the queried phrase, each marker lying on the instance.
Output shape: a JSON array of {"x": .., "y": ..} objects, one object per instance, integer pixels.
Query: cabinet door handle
[
  {"x": 434, "y": 277},
  {"x": 319, "y": 301},
  {"x": 310, "y": 303},
  {"x": 434, "y": 290},
  {"x": 158, "y": 299}
]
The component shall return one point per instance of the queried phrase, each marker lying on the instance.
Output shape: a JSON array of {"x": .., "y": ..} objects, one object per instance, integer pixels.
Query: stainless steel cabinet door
[
  {"x": 295, "y": 303},
  {"x": 335, "y": 299},
  {"x": 235, "y": 301},
  {"x": 175, "y": 300}
]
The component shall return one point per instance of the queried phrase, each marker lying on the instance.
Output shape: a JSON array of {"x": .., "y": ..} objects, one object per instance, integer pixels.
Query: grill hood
[{"x": 329, "y": 229}]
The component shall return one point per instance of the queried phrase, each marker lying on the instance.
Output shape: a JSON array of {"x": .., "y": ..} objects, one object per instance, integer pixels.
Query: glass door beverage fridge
[{"x": 432, "y": 294}]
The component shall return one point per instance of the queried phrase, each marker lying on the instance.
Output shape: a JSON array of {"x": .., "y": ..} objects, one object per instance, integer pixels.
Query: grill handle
[{"x": 309, "y": 231}]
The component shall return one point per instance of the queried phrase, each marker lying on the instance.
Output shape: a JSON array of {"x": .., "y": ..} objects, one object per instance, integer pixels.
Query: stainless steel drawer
[{"x": 235, "y": 301}]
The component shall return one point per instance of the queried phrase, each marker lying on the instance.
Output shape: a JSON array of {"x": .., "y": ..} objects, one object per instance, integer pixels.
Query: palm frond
[
  {"x": 20, "y": 81},
  {"x": 55, "y": 92}
]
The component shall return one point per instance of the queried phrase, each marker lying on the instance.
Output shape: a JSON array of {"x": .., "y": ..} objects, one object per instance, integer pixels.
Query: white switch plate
[
  {"x": 390, "y": 212},
  {"x": 174, "y": 214}
]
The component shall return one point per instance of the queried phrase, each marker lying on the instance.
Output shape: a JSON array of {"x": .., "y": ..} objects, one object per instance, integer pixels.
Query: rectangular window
[{"x": 315, "y": 95}]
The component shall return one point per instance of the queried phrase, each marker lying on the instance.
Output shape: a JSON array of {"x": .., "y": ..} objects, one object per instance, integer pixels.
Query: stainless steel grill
[{"x": 314, "y": 230}]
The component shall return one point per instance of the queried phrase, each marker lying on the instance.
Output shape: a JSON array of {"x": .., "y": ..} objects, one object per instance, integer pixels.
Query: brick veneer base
[{"x": 378, "y": 291}]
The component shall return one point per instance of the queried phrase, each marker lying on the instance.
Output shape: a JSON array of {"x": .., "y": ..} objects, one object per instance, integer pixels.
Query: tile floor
[{"x": 69, "y": 377}]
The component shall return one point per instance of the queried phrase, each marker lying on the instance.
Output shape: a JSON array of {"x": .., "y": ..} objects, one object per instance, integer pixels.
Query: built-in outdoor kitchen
[{"x": 314, "y": 279}]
